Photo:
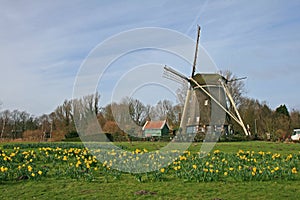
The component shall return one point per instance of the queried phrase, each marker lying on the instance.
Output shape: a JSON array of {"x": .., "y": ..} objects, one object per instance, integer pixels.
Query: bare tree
[
  {"x": 52, "y": 118},
  {"x": 295, "y": 119},
  {"x": 15, "y": 121},
  {"x": 138, "y": 111},
  {"x": 162, "y": 110},
  {"x": 181, "y": 93},
  {"x": 121, "y": 114},
  {"x": 108, "y": 113},
  {"x": 96, "y": 103},
  {"x": 45, "y": 125},
  {"x": 67, "y": 111},
  {"x": 24, "y": 118},
  {"x": 63, "y": 116},
  {"x": 89, "y": 104},
  {"x": 5, "y": 116},
  {"x": 84, "y": 111},
  {"x": 236, "y": 87}
]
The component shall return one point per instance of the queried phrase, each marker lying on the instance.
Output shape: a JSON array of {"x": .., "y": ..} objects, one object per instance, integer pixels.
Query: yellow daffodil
[{"x": 294, "y": 170}]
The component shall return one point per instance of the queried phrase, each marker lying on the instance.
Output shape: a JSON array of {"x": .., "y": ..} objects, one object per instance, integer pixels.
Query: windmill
[{"x": 207, "y": 99}]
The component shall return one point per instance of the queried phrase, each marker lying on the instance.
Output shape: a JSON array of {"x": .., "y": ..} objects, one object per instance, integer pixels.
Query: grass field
[{"x": 284, "y": 185}]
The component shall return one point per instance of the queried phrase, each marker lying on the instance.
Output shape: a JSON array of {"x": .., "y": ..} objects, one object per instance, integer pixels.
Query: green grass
[
  {"x": 126, "y": 189},
  {"x": 170, "y": 188},
  {"x": 227, "y": 147}
]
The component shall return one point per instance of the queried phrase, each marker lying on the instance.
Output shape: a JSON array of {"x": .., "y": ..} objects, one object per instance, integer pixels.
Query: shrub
[{"x": 72, "y": 134}]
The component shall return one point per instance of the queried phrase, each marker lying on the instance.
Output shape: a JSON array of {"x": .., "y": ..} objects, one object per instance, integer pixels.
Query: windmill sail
[
  {"x": 205, "y": 109},
  {"x": 188, "y": 116},
  {"x": 196, "y": 51}
]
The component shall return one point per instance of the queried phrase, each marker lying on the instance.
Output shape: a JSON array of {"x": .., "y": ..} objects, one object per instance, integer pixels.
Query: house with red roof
[{"x": 156, "y": 128}]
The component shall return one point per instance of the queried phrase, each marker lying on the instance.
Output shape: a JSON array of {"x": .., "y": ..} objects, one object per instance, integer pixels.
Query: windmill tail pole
[
  {"x": 237, "y": 119},
  {"x": 236, "y": 110},
  {"x": 185, "y": 111}
]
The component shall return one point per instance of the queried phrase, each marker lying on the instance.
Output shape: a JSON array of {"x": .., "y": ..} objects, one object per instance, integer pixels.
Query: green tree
[
  {"x": 282, "y": 109},
  {"x": 282, "y": 122}
]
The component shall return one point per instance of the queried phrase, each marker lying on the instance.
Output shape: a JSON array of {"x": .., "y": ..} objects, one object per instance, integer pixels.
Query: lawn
[
  {"x": 127, "y": 189},
  {"x": 228, "y": 147},
  {"x": 59, "y": 179}
]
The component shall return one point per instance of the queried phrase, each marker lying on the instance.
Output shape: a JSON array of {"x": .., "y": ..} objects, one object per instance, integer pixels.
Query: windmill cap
[{"x": 209, "y": 79}]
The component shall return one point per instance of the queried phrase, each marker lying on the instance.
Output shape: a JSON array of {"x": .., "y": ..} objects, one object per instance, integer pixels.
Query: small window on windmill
[
  {"x": 206, "y": 102},
  {"x": 189, "y": 120},
  {"x": 197, "y": 119}
]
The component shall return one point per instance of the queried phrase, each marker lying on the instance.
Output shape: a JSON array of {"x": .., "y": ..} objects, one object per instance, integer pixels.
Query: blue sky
[{"x": 43, "y": 43}]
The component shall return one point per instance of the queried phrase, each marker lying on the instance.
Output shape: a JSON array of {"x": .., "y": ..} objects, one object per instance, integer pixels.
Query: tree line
[
  {"x": 129, "y": 115},
  {"x": 115, "y": 118}
]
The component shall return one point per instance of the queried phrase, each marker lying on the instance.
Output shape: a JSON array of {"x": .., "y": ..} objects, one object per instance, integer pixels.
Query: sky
[{"x": 45, "y": 44}]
